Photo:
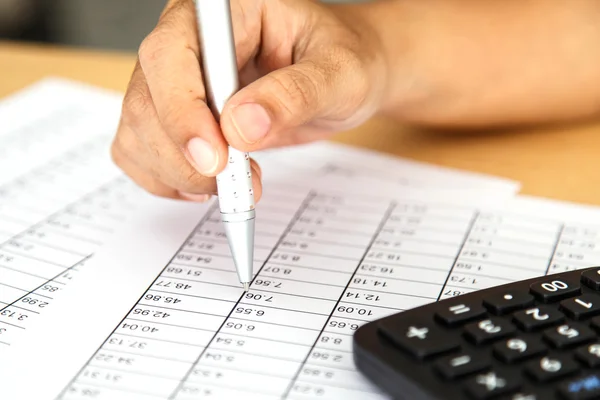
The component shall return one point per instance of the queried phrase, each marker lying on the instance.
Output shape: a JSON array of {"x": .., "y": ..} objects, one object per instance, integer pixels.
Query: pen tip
[{"x": 246, "y": 286}]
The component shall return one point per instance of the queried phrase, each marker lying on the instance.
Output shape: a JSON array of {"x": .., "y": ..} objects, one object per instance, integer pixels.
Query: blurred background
[{"x": 104, "y": 24}]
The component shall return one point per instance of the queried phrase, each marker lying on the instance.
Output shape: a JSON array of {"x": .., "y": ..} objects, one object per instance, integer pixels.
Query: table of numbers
[
  {"x": 336, "y": 264},
  {"x": 52, "y": 219}
]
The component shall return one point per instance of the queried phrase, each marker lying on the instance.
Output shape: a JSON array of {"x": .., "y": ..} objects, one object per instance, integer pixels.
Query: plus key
[{"x": 422, "y": 339}]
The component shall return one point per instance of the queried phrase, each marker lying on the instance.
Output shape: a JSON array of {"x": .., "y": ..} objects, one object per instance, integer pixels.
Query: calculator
[{"x": 535, "y": 339}]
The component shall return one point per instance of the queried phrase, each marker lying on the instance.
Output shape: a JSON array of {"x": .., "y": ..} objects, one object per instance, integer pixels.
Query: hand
[{"x": 307, "y": 70}]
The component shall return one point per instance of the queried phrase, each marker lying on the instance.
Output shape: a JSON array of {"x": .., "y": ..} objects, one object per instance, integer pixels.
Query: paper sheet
[
  {"x": 160, "y": 313},
  {"x": 61, "y": 196}
]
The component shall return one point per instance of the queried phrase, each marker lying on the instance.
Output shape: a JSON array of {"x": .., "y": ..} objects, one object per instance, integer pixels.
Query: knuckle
[
  {"x": 136, "y": 104},
  {"x": 298, "y": 90}
]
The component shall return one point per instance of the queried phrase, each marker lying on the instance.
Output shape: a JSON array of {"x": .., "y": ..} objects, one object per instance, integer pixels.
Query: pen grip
[{"x": 235, "y": 184}]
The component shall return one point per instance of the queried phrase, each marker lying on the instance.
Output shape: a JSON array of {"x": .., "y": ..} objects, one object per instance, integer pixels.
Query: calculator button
[
  {"x": 586, "y": 387},
  {"x": 596, "y": 323},
  {"x": 581, "y": 307},
  {"x": 459, "y": 365},
  {"x": 420, "y": 339},
  {"x": 554, "y": 289},
  {"x": 491, "y": 384},
  {"x": 537, "y": 317},
  {"x": 589, "y": 355},
  {"x": 551, "y": 367},
  {"x": 488, "y": 330},
  {"x": 591, "y": 278},
  {"x": 459, "y": 313},
  {"x": 508, "y": 302},
  {"x": 568, "y": 335},
  {"x": 518, "y": 349}
]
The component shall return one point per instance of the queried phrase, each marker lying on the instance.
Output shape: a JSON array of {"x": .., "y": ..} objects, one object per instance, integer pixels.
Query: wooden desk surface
[{"x": 561, "y": 163}]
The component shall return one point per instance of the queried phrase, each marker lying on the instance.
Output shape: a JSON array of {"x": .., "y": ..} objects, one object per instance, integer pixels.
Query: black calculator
[{"x": 536, "y": 339}]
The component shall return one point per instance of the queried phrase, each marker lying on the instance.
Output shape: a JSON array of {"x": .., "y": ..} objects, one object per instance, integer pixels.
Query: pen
[{"x": 234, "y": 184}]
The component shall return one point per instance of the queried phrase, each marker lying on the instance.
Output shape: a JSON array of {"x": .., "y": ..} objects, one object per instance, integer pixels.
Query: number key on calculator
[{"x": 536, "y": 339}]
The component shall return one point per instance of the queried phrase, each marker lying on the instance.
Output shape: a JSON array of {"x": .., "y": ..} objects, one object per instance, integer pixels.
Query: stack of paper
[{"x": 344, "y": 236}]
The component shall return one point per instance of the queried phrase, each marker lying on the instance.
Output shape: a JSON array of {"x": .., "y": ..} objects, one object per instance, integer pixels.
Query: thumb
[{"x": 288, "y": 98}]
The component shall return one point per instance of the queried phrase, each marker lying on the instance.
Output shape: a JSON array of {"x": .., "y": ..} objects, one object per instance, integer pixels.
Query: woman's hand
[{"x": 306, "y": 69}]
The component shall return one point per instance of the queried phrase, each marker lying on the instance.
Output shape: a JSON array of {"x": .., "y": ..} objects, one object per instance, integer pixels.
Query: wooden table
[{"x": 558, "y": 162}]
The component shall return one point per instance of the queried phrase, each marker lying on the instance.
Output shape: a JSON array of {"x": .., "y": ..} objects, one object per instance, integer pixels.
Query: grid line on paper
[
  {"x": 462, "y": 246},
  {"x": 555, "y": 248},
  {"x": 385, "y": 218},
  {"x": 46, "y": 283},
  {"x": 294, "y": 218},
  {"x": 41, "y": 223},
  {"x": 202, "y": 221}
]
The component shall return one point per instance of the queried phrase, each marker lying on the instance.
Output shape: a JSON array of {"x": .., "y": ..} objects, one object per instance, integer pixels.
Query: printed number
[
  {"x": 34, "y": 302},
  {"x": 535, "y": 313},
  {"x": 517, "y": 345},
  {"x": 564, "y": 330},
  {"x": 350, "y": 310},
  {"x": 234, "y": 325},
  {"x": 328, "y": 339},
  {"x": 142, "y": 328},
  {"x": 278, "y": 270},
  {"x": 260, "y": 282},
  {"x": 489, "y": 327},
  {"x": 342, "y": 325},
  {"x": 249, "y": 311},
  {"x": 554, "y": 286},
  {"x": 50, "y": 288},
  {"x": 258, "y": 297},
  {"x": 309, "y": 390},
  {"x": 156, "y": 297},
  {"x": 155, "y": 314}
]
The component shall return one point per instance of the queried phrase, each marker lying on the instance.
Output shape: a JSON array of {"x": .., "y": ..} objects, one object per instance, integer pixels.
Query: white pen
[{"x": 234, "y": 184}]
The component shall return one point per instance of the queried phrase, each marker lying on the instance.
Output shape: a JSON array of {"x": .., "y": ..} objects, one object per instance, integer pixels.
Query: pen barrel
[
  {"x": 219, "y": 62},
  {"x": 234, "y": 184},
  {"x": 219, "y": 67}
]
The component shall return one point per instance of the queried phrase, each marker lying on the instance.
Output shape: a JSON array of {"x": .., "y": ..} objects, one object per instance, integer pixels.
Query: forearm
[{"x": 473, "y": 63}]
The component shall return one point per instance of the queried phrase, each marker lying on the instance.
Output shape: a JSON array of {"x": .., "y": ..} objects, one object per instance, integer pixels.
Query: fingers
[
  {"x": 330, "y": 87},
  {"x": 169, "y": 58}
]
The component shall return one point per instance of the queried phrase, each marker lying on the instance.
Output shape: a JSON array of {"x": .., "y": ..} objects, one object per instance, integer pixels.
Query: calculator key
[
  {"x": 591, "y": 278},
  {"x": 507, "y": 302},
  {"x": 554, "y": 289},
  {"x": 581, "y": 307},
  {"x": 420, "y": 339},
  {"x": 459, "y": 313},
  {"x": 537, "y": 318},
  {"x": 586, "y": 387},
  {"x": 551, "y": 367},
  {"x": 589, "y": 355},
  {"x": 518, "y": 349},
  {"x": 488, "y": 330},
  {"x": 596, "y": 323},
  {"x": 488, "y": 385},
  {"x": 462, "y": 364},
  {"x": 569, "y": 335}
]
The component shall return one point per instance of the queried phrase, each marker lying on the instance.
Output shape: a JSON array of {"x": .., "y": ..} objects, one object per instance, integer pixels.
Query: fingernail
[
  {"x": 204, "y": 156},
  {"x": 251, "y": 122},
  {"x": 200, "y": 198}
]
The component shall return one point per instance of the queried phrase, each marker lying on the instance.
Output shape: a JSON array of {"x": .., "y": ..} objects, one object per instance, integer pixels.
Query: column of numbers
[
  {"x": 501, "y": 248},
  {"x": 405, "y": 266},
  {"x": 177, "y": 318},
  {"x": 290, "y": 300},
  {"x": 577, "y": 248}
]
